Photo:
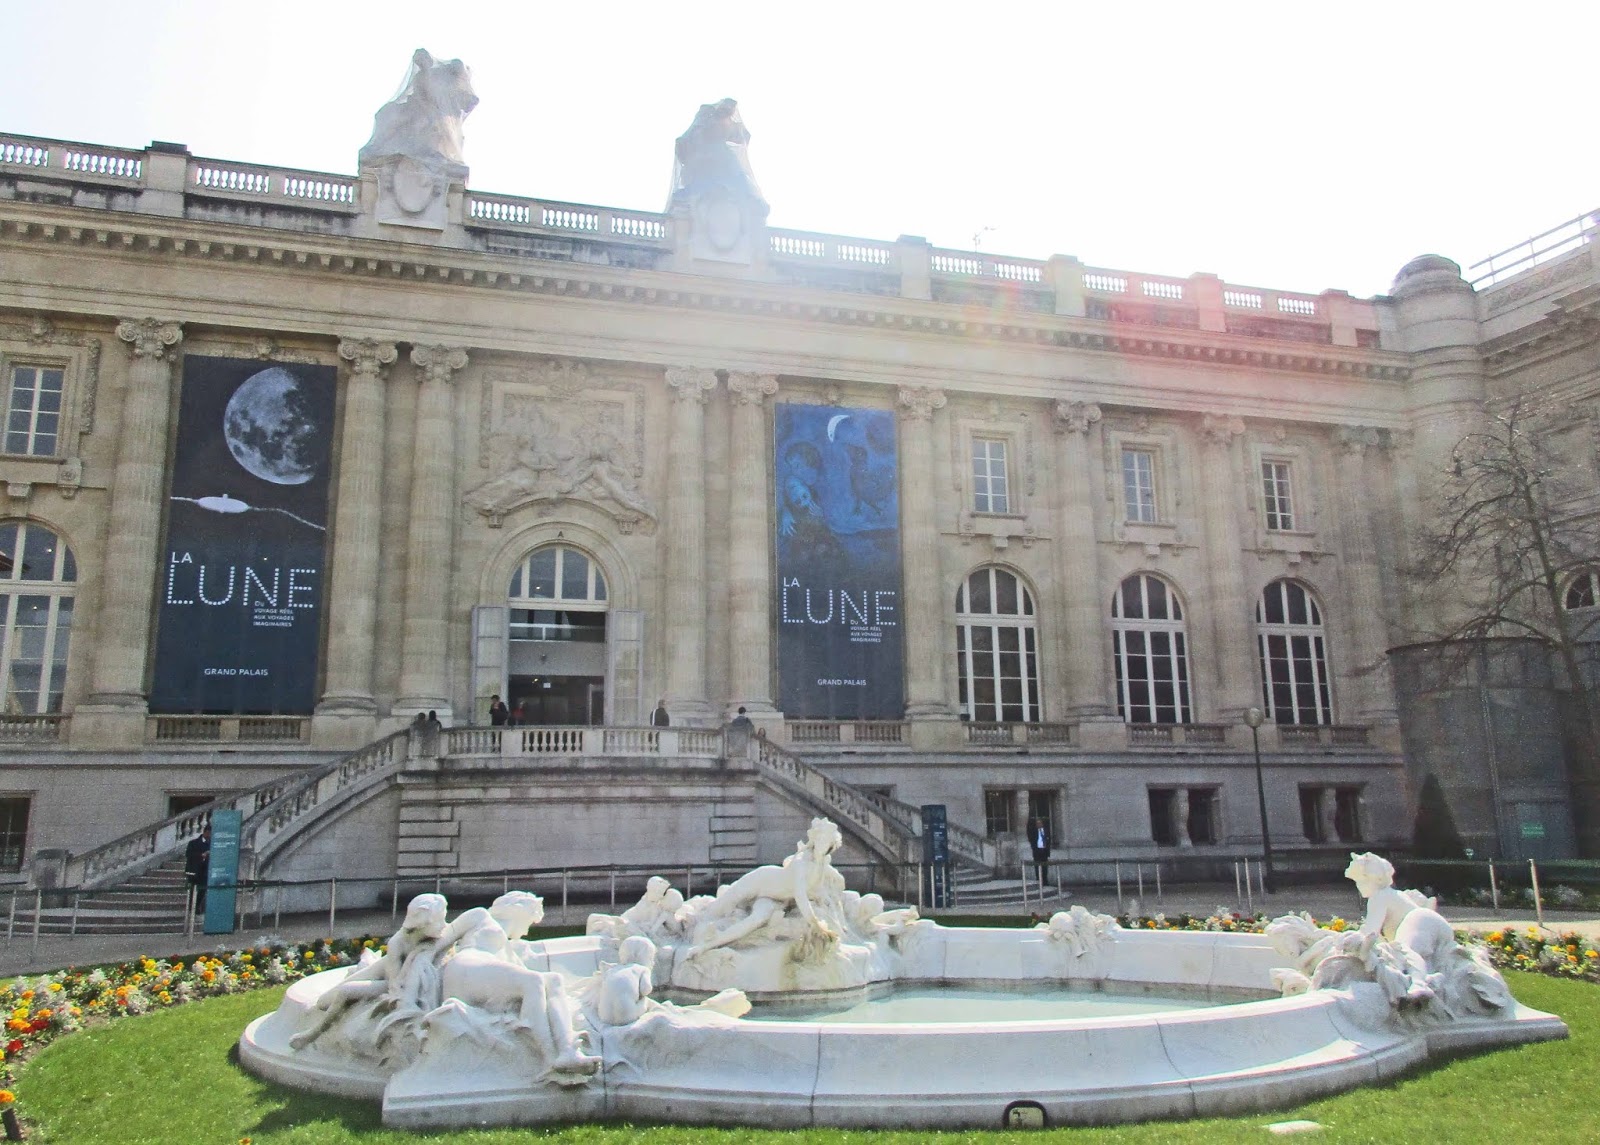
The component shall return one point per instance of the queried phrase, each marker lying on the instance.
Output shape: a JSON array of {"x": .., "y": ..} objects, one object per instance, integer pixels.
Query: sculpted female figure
[
  {"x": 404, "y": 980},
  {"x": 806, "y": 880}
]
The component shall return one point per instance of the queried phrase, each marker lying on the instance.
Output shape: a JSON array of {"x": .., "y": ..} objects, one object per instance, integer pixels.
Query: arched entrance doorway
[{"x": 556, "y": 638}]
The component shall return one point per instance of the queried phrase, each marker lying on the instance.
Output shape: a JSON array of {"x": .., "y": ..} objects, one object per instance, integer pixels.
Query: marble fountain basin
[{"x": 1239, "y": 1045}]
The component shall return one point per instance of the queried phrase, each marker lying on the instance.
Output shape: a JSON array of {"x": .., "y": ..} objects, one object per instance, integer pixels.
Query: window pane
[
  {"x": 1005, "y": 593},
  {"x": 1157, "y": 591},
  {"x": 542, "y": 575},
  {"x": 574, "y": 576},
  {"x": 978, "y": 593}
]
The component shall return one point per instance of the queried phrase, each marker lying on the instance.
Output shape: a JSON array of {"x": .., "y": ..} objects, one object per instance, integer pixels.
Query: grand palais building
[{"x": 294, "y": 457}]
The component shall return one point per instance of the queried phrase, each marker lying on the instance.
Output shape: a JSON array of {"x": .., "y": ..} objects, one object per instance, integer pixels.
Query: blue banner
[
  {"x": 242, "y": 579},
  {"x": 840, "y": 652},
  {"x": 223, "y": 873}
]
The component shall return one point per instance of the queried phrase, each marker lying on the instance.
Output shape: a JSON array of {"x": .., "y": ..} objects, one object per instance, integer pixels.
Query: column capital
[
  {"x": 367, "y": 356},
  {"x": 1074, "y": 417},
  {"x": 1357, "y": 439},
  {"x": 691, "y": 383},
  {"x": 437, "y": 363},
  {"x": 149, "y": 337},
  {"x": 919, "y": 402},
  {"x": 1220, "y": 429},
  {"x": 751, "y": 389}
]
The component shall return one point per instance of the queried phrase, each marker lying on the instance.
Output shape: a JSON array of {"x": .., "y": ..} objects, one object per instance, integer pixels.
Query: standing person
[
  {"x": 659, "y": 718},
  {"x": 1039, "y": 843},
  {"x": 740, "y": 729},
  {"x": 498, "y": 712},
  {"x": 197, "y": 866},
  {"x": 519, "y": 714}
]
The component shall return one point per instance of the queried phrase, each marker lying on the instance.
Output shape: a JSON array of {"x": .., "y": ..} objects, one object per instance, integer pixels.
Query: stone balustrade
[{"x": 169, "y": 181}]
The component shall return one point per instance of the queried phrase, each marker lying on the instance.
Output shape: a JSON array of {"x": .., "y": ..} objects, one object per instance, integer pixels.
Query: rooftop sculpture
[{"x": 416, "y": 143}]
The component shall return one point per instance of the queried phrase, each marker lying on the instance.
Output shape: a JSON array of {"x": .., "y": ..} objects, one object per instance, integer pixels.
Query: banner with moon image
[
  {"x": 837, "y": 526},
  {"x": 242, "y": 581}
]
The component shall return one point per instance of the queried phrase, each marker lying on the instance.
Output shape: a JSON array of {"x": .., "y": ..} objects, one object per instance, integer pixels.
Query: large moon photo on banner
[{"x": 270, "y": 429}]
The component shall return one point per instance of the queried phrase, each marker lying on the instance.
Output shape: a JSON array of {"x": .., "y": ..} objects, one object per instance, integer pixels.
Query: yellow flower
[
  {"x": 1337, "y": 924},
  {"x": 55, "y": 987},
  {"x": 307, "y": 956},
  {"x": 1495, "y": 936}
]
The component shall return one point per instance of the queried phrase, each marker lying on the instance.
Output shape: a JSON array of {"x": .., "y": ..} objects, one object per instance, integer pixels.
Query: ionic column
[
  {"x": 1233, "y": 643},
  {"x": 1367, "y": 667},
  {"x": 923, "y": 616},
  {"x": 137, "y": 486},
  {"x": 1084, "y": 612},
  {"x": 685, "y": 625},
  {"x": 424, "y": 650},
  {"x": 352, "y": 601},
  {"x": 750, "y": 572}
]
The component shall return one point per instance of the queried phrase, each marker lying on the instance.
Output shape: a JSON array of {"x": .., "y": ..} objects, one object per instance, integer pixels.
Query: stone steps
[{"x": 735, "y": 831}]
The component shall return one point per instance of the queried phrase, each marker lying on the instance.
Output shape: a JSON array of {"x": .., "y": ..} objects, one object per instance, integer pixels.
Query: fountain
[{"x": 742, "y": 1008}]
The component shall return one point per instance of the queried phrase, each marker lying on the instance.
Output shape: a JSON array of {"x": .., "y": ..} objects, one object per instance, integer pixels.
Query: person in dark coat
[
  {"x": 1039, "y": 844},
  {"x": 197, "y": 866},
  {"x": 740, "y": 729},
  {"x": 498, "y": 712},
  {"x": 659, "y": 718}
]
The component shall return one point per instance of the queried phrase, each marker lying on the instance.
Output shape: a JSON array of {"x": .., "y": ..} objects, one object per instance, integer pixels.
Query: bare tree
[{"x": 1515, "y": 537}]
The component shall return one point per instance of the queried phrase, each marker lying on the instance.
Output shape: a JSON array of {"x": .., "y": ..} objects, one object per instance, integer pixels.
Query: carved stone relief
[{"x": 557, "y": 433}]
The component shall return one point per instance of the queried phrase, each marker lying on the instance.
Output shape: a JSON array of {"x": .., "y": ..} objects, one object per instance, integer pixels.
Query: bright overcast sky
[{"x": 1292, "y": 145}]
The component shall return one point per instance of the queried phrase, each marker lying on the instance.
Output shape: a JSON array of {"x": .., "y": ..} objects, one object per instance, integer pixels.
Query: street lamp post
[{"x": 1255, "y": 717}]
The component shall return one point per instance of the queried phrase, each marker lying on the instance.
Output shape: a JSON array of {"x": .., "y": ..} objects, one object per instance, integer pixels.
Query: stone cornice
[
  {"x": 1570, "y": 322},
  {"x": 146, "y": 237}
]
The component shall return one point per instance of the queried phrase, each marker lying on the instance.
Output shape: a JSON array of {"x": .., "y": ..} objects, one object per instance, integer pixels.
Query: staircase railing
[
  {"x": 870, "y": 822},
  {"x": 139, "y": 851},
  {"x": 314, "y": 791},
  {"x": 964, "y": 844}
]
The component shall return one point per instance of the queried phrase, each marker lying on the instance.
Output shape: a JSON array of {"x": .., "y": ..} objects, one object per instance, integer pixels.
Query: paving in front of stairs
[{"x": 21, "y": 955}]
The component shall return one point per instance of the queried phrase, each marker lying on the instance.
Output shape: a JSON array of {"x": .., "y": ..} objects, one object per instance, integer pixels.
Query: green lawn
[{"x": 168, "y": 1078}]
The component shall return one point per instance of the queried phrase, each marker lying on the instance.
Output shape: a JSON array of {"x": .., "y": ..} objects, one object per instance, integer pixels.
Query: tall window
[
  {"x": 558, "y": 593},
  {"x": 1139, "y": 485},
  {"x": 997, "y": 659},
  {"x": 37, "y": 582},
  {"x": 999, "y": 811},
  {"x": 33, "y": 417},
  {"x": 1583, "y": 591},
  {"x": 1150, "y": 651},
  {"x": 13, "y": 831},
  {"x": 1277, "y": 495},
  {"x": 1293, "y": 653},
  {"x": 990, "y": 492}
]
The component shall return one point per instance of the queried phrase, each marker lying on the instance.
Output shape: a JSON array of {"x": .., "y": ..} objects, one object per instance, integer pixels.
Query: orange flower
[{"x": 7, "y": 1097}]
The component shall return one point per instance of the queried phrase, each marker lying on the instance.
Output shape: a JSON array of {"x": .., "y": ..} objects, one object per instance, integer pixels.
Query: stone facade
[{"x": 516, "y": 374}]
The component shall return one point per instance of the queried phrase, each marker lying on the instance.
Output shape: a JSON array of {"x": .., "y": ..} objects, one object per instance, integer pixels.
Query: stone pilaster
[
  {"x": 750, "y": 564},
  {"x": 424, "y": 650},
  {"x": 685, "y": 625},
  {"x": 1232, "y": 633},
  {"x": 352, "y": 611},
  {"x": 1083, "y": 604},
  {"x": 925, "y": 607},
  {"x": 122, "y": 642},
  {"x": 1367, "y": 668}
]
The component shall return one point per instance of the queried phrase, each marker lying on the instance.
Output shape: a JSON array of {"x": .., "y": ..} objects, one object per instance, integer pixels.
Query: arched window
[
  {"x": 1294, "y": 655},
  {"x": 38, "y": 578},
  {"x": 997, "y": 657},
  {"x": 1151, "y": 652},
  {"x": 1583, "y": 590},
  {"x": 557, "y": 593}
]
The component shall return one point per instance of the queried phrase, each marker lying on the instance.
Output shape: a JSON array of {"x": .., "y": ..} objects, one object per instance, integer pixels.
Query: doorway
[
  {"x": 556, "y": 613},
  {"x": 558, "y": 700}
]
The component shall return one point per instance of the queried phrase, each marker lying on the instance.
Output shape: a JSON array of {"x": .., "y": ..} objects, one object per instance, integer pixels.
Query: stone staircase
[
  {"x": 152, "y": 902},
  {"x": 977, "y": 888},
  {"x": 734, "y": 832}
]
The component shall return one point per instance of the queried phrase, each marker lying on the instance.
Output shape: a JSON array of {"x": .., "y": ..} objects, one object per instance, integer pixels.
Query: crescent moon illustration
[{"x": 833, "y": 423}]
